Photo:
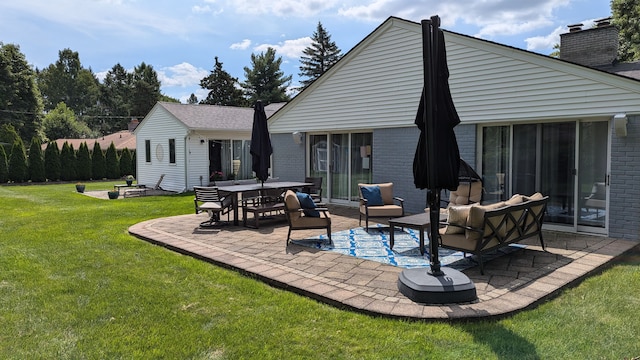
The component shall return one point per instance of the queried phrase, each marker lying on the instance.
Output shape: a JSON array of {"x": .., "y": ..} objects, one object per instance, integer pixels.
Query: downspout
[{"x": 186, "y": 162}]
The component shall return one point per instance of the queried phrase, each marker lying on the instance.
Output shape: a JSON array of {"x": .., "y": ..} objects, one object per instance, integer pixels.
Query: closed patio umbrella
[
  {"x": 435, "y": 167},
  {"x": 437, "y": 159},
  {"x": 260, "y": 149}
]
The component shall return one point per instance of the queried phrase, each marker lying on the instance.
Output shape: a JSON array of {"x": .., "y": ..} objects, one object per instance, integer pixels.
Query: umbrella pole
[{"x": 434, "y": 220}]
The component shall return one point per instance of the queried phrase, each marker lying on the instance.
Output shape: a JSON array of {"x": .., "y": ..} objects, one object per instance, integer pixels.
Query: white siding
[
  {"x": 378, "y": 85},
  {"x": 159, "y": 126}
]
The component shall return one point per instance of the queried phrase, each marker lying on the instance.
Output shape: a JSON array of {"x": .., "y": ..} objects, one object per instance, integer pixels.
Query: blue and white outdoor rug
[{"x": 374, "y": 245}]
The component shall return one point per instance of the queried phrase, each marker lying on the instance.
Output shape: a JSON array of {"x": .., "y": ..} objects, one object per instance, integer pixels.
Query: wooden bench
[
  {"x": 261, "y": 205},
  {"x": 489, "y": 227}
]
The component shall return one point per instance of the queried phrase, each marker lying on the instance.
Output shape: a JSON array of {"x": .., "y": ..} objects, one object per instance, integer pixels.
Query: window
[
  {"x": 147, "y": 151},
  {"x": 172, "y": 151}
]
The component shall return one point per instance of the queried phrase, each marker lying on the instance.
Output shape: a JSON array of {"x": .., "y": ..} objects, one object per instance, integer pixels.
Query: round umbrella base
[{"x": 421, "y": 286}]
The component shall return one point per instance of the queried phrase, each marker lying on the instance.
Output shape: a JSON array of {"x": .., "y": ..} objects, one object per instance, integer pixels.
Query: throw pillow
[
  {"x": 457, "y": 216},
  {"x": 372, "y": 195},
  {"x": 307, "y": 205}
]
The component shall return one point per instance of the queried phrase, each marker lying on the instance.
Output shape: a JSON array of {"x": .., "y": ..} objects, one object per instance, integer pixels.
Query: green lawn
[{"x": 75, "y": 285}]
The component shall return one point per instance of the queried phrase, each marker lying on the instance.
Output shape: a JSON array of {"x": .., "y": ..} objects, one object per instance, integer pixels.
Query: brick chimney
[
  {"x": 133, "y": 124},
  {"x": 590, "y": 47}
]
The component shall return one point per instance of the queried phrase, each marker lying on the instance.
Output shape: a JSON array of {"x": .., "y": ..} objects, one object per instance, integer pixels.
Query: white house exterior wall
[
  {"x": 159, "y": 126},
  {"x": 378, "y": 85},
  {"x": 198, "y": 160}
]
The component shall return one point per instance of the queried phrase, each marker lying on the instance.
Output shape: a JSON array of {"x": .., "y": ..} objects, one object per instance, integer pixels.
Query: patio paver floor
[{"x": 512, "y": 282}]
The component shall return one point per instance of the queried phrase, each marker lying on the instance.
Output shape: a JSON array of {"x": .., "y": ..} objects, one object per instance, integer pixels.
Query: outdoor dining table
[{"x": 235, "y": 190}]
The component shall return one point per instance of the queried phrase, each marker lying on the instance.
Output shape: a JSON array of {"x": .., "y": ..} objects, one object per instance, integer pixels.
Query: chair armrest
[{"x": 401, "y": 200}]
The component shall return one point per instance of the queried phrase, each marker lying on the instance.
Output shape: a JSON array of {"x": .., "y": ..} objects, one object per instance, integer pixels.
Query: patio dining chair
[
  {"x": 208, "y": 198},
  {"x": 314, "y": 190}
]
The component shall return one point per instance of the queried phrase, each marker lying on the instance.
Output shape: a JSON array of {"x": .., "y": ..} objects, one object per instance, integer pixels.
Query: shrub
[
  {"x": 18, "y": 170},
  {"x": 111, "y": 162},
  {"x": 52, "y": 161},
  {"x": 126, "y": 167},
  {"x": 4, "y": 171},
  {"x": 36, "y": 161},
  {"x": 67, "y": 162},
  {"x": 83, "y": 161},
  {"x": 97, "y": 162}
]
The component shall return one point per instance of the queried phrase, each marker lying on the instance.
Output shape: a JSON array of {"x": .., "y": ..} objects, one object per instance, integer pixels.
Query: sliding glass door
[
  {"x": 565, "y": 160},
  {"x": 343, "y": 160}
]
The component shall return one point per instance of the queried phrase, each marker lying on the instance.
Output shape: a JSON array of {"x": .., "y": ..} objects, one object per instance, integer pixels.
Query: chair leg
[
  {"x": 289, "y": 235},
  {"x": 329, "y": 233}
]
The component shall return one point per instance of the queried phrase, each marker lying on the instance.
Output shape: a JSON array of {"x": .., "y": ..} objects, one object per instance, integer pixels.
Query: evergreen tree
[
  {"x": 67, "y": 163},
  {"x": 115, "y": 98},
  {"x": 18, "y": 171},
  {"x": 4, "y": 171},
  {"x": 625, "y": 17},
  {"x": 36, "y": 161},
  {"x": 146, "y": 90},
  {"x": 52, "y": 161},
  {"x": 69, "y": 82},
  {"x": 318, "y": 57},
  {"x": 266, "y": 81},
  {"x": 222, "y": 88},
  {"x": 126, "y": 167},
  {"x": 8, "y": 136},
  {"x": 19, "y": 95},
  {"x": 193, "y": 99},
  {"x": 83, "y": 161},
  {"x": 111, "y": 162},
  {"x": 97, "y": 163}
]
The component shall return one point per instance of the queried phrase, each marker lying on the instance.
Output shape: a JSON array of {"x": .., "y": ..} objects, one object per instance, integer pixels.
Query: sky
[{"x": 181, "y": 38}]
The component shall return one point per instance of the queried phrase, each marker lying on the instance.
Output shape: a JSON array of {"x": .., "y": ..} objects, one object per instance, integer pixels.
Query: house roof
[
  {"x": 121, "y": 140},
  {"x": 215, "y": 117},
  {"x": 378, "y": 83}
]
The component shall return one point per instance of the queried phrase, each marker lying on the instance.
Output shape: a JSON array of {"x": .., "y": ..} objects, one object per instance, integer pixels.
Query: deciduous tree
[{"x": 625, "y": 17}]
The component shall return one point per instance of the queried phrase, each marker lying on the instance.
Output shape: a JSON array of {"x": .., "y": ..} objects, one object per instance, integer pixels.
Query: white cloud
[
  {"x": 181, "y": 75},
  {"x": 243, "y": 45},
  {"x": 540, "y": 43},
  {"x": 289, "y": 48},
  {"x": 283, "y": 8}
]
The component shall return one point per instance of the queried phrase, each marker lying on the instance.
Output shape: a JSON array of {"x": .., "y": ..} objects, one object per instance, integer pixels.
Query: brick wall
[
  {"x": 624, "y": 189},
  {"x": 590, "y": 47}
]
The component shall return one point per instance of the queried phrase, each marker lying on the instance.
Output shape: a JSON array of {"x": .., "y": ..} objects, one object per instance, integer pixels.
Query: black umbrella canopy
[
  {"x": 437, "y": 159},
  {"x": 260, "y": 149}
]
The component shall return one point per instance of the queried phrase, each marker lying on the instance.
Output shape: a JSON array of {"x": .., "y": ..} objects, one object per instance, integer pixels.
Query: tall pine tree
[
  {"x": 222, "y": 88},
  {"x": 265, "y": 81},
  {"x": 318, "y": 57}
]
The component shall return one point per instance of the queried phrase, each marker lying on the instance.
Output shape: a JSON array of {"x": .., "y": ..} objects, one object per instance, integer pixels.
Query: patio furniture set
[{"x": 465, "y": 225}]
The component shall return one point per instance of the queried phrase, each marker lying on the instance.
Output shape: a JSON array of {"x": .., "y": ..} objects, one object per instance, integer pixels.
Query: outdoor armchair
[
  {"x": 377, "y": 200},
  {"x": 307, "y": 217}
]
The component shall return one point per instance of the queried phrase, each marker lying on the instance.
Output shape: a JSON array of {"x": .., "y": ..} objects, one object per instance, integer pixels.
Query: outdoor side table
[{"x": 419, "y": 222}]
